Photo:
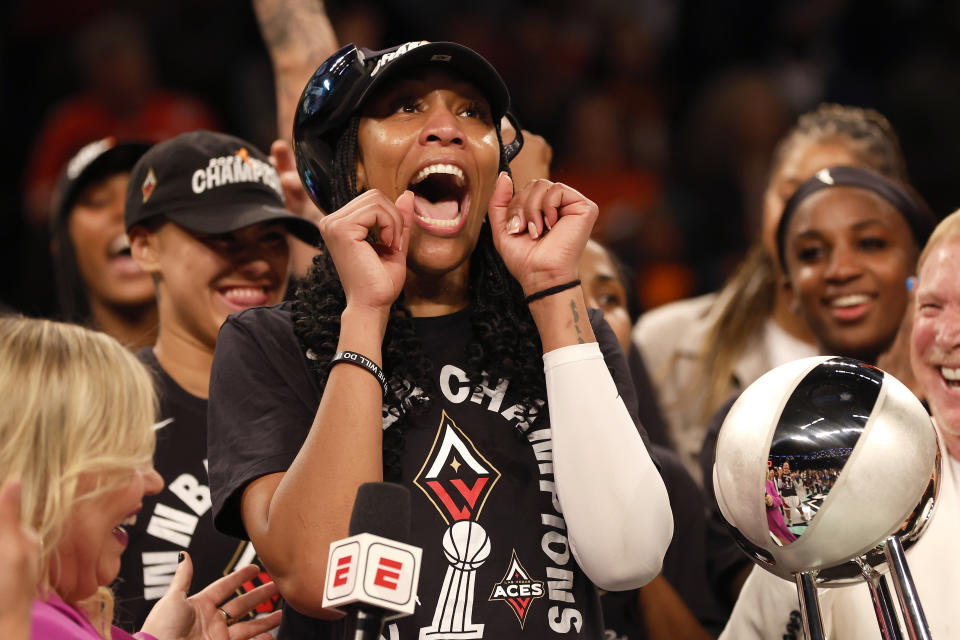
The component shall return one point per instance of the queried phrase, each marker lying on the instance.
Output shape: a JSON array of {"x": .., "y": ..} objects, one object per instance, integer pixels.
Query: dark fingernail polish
[{"x": 180, "y": 557}]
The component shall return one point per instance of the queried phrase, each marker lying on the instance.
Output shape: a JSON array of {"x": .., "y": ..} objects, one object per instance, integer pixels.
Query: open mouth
[
  {"x": 853, "y": 300},
  {"x": 951, "y": 376},
  {"x": 441, "y": 196},
  {"x": 119, "y": 258},
  {"x": 120, "y": 531},
  {"x": 119, "y": 247},
  {"x": 245, "y": 297},
  {"x": 850, "y": 307}
]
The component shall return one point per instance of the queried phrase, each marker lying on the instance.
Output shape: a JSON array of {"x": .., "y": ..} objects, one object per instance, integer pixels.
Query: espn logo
[{"x": 372, "y": 570}]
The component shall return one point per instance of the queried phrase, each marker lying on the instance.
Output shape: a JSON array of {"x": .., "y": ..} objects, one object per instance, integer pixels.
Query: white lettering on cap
[
  {"x": 234, "y": 169},
  {"x": 387, "y": 57},
  {"x": 86, "y": 155}
]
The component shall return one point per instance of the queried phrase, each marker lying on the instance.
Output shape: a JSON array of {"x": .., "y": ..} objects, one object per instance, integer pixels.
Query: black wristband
[
  {"x": 352, "y": 357},
  {"x": 551, "y": 290}
]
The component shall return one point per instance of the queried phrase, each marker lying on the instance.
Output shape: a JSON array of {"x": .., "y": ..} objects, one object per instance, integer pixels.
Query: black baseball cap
[
  {"x": 210, "y": 183},
  {"x": 93, "y": 162},
  {"x": 347, "y": 79}
]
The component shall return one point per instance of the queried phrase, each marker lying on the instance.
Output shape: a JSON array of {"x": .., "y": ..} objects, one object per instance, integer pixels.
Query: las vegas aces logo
[
  {"x": 457, "y": 479},
  {"x": 518, "y": 589}
]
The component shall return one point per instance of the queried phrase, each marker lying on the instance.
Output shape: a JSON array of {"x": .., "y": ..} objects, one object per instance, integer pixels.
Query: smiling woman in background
[
  {"x": 98, "y": 283},
  {"x": 76, "y": 428}
]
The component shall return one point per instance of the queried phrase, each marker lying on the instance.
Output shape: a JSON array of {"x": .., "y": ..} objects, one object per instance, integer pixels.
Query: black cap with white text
[{"x": 210, "y": 183}]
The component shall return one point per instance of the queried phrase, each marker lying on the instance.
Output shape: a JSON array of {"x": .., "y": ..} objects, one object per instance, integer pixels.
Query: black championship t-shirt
[
  {"x": 179, "y": 517},
  {"x": 788, "y": 487},
  {"x": 474, "y": 482}
]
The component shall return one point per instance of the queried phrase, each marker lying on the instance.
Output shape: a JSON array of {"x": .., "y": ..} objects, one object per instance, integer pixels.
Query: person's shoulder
[
  {"x": 659, "y": 329},
  {"x": 57, "y": 620},
  {"x": 260, "y": 333},
  {"x": 669, "y": 315},
  {"x": 278, "y": 317}
]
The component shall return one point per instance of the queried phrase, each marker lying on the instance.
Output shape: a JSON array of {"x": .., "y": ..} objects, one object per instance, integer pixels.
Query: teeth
[
  {"x": 243, "y": 292},
  {"x": 953, "y": 375},
  {"x": 436, "y": 222},
  {"x": 120, "y": 243},
  {"x": 129, "y": 522},
  {"x": 447, "y": 169},
  {"x": 851, "y": 300}
]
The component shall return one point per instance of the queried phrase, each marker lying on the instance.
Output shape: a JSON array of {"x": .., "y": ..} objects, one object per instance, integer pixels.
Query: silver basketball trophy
[{"x": 861, "y": 455}]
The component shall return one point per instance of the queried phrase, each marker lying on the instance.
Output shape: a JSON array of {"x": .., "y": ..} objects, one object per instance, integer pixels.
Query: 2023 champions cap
[
  {"x": 93, "y": 162},
  {"x": 210, "y": 183}
]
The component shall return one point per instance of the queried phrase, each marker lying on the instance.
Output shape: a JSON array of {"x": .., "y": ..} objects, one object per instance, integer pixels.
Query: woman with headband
[
  {"x": 703, "y": 350},
  {"x": 484, "y": 386},
  {"x": 849, "y": 240}
]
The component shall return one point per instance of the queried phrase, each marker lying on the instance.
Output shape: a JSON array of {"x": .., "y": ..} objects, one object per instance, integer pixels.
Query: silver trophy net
[{"x": 827, "y": 469}]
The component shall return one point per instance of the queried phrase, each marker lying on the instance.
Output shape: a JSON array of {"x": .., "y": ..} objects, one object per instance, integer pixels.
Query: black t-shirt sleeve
[
  {"x": 262, "y": 404},
  {"x": 620, "y": 371}
]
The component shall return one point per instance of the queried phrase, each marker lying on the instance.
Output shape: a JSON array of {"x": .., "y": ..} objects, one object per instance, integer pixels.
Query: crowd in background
[{"x": 665, "y": 112}]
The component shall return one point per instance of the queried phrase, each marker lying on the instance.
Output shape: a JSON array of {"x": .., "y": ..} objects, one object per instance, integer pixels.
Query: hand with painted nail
[
  {"x": 368, "y": 240},
  {"x": 541, "y": 231},
  {"x": 210, "y": 615}
]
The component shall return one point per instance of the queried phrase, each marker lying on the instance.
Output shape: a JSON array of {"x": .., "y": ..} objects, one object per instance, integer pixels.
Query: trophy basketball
[{"x": 826, "y": 470}]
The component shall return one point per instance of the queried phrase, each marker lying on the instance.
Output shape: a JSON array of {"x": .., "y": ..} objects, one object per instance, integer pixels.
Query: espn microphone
[{"x": 373, "y": 574}]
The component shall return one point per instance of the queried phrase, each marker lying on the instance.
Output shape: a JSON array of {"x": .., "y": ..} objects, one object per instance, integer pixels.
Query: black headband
[{"x": 914, "y": 211}]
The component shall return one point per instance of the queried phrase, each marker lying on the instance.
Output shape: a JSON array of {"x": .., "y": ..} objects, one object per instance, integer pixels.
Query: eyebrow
[
  {"x": 606, "y": 277},
  {"x": 856, "y": 226},
  {"x": 871, "y": 222}
]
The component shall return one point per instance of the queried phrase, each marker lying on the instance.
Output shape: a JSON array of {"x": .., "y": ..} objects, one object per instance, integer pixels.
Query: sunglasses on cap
[{"x": 337, "y": 89}]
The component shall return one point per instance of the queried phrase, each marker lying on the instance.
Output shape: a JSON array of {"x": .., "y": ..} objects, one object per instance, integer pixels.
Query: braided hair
[
  {"x": 875, "y": 142},
  {"x": 504, "y": 343}
]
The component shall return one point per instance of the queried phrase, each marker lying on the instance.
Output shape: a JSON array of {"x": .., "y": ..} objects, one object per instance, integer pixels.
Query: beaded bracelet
[
  {"x": 354, "y": 358},
  {"x": 551, "y": 290}
]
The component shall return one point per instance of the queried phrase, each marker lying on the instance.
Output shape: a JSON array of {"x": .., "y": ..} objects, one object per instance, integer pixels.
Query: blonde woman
[{"x": 76, "y": 431}]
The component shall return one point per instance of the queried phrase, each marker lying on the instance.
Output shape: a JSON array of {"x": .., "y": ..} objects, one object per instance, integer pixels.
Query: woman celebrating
[
  {"x": 449, "y": 289},
  {"x": 76, "y": 429}
]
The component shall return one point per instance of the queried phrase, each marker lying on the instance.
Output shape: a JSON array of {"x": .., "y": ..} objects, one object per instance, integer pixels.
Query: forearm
[
  {"x": 562, "y": 319},
  {"x": 299, "y": 37},
  {"x": 613, "y": 498},
  {"x": 310, "y": 507}
]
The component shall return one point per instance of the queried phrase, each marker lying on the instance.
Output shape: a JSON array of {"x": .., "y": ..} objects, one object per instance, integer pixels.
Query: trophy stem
[
  {"x": 882, "y": 603},
  {"x": 913, "y": 616},
  {"x": 810, "y": 605}
]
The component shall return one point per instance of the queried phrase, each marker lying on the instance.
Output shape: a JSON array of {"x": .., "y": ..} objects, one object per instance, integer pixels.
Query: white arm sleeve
[{"x": 618, "y": 516}]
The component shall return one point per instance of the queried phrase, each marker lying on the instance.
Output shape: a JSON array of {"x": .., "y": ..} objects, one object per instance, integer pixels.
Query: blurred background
[{"x": 663, "y": 112}]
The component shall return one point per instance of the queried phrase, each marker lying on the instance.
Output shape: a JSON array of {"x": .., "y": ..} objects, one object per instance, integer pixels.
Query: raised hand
[
  {"x": 372, "y": 273},
  {"x": 203, "y": 617},
  {"x": 541, "y": 231}
]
